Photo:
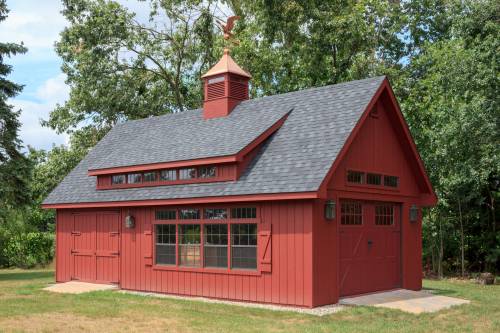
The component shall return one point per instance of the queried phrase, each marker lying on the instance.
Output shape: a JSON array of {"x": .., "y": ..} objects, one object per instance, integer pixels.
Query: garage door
[
  {"x": 370, "y": 247},
  {"x": 95, "y": 247}
]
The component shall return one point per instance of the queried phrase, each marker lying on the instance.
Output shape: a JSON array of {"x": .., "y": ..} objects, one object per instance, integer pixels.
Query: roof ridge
[{"x": 172, "y": 114}]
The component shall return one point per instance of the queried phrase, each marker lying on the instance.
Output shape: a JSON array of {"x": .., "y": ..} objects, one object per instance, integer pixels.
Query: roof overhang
[{"x": 187, "y": 201}]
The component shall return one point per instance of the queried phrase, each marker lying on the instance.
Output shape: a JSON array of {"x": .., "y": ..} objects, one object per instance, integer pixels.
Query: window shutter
[
  {"x": 148, "y": 245},
  {"x": 265, "y": 247}
]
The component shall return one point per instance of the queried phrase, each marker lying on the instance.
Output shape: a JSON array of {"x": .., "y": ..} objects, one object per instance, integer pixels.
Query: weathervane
[{"x": 226, "y": 28}]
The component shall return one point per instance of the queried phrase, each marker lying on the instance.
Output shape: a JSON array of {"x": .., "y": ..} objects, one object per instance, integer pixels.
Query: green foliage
[
  {"x": 51, "y": 167},
  {"x": 120, "y": 68},
  {"x": 449, "y": 95},
  {"x": 29, "y": 249},
  {"x": 14, "y": 167}
]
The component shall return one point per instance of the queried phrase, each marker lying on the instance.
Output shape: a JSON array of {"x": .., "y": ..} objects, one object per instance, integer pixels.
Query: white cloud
[
  {"x": 32, "y": 133},
  {"x": 48, "y": 94},
  {"x": 54, "y": 90},
  {"x": 35, "y": 23}
]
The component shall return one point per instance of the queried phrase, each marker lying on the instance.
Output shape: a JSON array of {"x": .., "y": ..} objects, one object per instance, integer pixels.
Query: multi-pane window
[
  {"x": 355, "y": 177},
  {"x": 118, "y": 179},
  {"x": 206, "y": 172},
  {"x": 134, "y": 178},
  {"x": 189, "y": 214},
  {"x": 391, "y": 181},
  {"x": 351, "y": 213},
  {"x": 244, "y": 246},
  {"x": 373, "y": 179},
  {"x": 168, "y": 175},
  {"x": 187, "y": 173},
  {"x": 149, "y": 176},
  {"x": 165, "y": 244},
  {"x": 189, "y": 245},
  {"x": 216, "y": 213},
  {"x": 244, "y": 213},
  {"x": 215, "y": 245},
  {"x": 208, "y": 242},
  {"x": 384, "y": 214},
  {"x": 166, "y": 214}
]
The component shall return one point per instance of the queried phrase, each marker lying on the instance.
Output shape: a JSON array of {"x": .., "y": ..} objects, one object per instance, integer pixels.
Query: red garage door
[
  {"x": 95, "y": 247},
  {"x": 369, "y": 247}
]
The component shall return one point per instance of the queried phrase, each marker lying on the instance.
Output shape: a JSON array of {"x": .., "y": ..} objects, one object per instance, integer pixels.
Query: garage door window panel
[
  {"x": 384, "y": 215},
  {"x": 351, "y": 213}
]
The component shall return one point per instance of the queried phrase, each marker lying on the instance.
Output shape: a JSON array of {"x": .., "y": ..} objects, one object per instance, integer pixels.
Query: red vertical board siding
[
  {"x": 289, "y": 282},
  {"x": 63, "y": 246},
  {"x": 411, "y": 250},
  {"x": 325, "y": 258}
]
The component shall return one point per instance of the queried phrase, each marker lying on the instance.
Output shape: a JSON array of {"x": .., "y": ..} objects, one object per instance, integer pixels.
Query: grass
[{"x": 24, "y": 306}]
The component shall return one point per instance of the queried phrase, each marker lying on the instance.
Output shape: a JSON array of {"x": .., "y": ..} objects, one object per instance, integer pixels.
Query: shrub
[{"x": 27, "y": 250}]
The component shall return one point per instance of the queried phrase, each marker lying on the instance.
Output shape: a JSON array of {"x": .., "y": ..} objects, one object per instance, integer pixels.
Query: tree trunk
[
  {"x": 462, "y": 250},
  {"x": 441, "y": 249}
]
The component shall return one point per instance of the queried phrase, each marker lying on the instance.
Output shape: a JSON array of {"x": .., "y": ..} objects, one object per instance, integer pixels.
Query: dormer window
[
  {"x": 134, "y": 178},
  {"x": 187, "y": 173},
  {"x": 118, "y": 179},
  {"x": 149, "y": 177},
  {"x": 168, "y": 175},
  {"x": 206, "y": 172},
  {"x": 174, "y": 176}
]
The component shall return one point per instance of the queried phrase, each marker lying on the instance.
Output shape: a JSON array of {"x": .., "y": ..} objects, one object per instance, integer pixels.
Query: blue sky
[{"x": 37, "y": 23}]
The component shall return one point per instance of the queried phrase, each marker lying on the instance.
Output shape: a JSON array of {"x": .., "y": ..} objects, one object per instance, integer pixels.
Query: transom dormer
[{"x": 227, "y": 160}]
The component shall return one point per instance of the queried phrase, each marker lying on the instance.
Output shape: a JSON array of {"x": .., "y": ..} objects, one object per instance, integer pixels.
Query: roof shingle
[{"x": 294, "y": 159}]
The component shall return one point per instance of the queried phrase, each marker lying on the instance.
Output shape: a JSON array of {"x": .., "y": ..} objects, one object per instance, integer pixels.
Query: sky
[{"x": 37, "y": 23}]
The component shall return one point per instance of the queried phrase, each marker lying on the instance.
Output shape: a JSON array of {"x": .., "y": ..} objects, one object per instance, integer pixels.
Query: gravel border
[{"x": 318, "y": 311}]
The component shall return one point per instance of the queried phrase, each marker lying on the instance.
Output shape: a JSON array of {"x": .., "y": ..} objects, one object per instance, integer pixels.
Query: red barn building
[{"x": 295, "y": 199}]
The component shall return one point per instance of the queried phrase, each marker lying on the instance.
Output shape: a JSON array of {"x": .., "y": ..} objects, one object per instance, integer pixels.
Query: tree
[
  {"x": 14, "y": 167},
  {"x": 121, "y": 68},
  {"x": 296, "y": 44},
  {"x": 449, "y": 95}
]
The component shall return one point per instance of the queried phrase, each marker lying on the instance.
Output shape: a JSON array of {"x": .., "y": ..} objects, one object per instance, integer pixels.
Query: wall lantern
[
  {"x": 413, "y": 213},
  {"x": 129, "y": 222},
  {"x": 330, "y": 209}
]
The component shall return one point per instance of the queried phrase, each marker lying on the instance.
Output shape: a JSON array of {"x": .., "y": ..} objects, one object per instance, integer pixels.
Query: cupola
[{"x": 225, "y": 86}]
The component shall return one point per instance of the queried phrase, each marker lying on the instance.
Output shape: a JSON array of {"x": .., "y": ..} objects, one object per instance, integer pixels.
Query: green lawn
[{"x": 25, "y": 307}]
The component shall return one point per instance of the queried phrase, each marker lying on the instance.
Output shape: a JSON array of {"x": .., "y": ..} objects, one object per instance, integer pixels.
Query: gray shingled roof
[
  {"x": 181, "y": 136},
  {"x": 295, "y": 159}
]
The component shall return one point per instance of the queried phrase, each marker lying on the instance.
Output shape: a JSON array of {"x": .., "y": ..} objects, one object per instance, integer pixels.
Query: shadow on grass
[
  {"x": 13, "y": 276},
  {"x": 441, "y": 292}
]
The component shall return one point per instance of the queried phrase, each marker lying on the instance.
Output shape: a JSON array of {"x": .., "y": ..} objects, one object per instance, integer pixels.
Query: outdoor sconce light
[
  {"x": 413, "y": 213},
  {"x": 330, "y": 208},
  {"x": 129, "y": 222}
]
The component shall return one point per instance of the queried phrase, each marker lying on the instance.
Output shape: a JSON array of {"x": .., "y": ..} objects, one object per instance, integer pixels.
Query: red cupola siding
[
  {"x": 295, "y": 199},
  {"x": 225, "y": 85}
]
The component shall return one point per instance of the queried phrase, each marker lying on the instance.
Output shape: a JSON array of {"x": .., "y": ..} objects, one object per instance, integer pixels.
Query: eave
[{"x": 187, "y": 201}]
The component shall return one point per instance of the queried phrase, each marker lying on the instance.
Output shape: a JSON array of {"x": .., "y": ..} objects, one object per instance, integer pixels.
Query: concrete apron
[
  {"x": 405, "y": 300},
  {"x": 77, "y": 287}
]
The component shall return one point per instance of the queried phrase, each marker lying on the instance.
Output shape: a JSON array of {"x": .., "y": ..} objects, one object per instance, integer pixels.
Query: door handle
[{"x": 370, "y": 242}]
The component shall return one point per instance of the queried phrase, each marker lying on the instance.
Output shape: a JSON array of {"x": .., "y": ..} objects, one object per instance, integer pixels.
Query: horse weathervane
[{"x": 226, "y": 28}]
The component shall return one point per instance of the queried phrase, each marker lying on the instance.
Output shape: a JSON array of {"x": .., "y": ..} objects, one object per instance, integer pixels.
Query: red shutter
[
  {"x": 265, "y": 247},
  {"x": 148, "y": 245}
]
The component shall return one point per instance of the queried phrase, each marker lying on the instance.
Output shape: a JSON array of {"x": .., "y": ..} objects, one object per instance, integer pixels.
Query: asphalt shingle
[{"x": 294, "y": 159}]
